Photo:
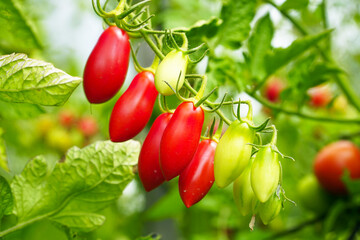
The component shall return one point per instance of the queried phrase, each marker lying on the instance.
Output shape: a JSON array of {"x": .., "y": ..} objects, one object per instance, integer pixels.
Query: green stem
[
  {"x": 22, "y": 225},
  {"x": 297, "y": 228},
  {"x": 210, "y": 104},
  {"x": 303, "y": 115},
  {"x": 274, "y": 136},
  {"x": 340, "y": 80},
  {"x": 152, "y": 45},
  {"x": 201, "y": 91}
]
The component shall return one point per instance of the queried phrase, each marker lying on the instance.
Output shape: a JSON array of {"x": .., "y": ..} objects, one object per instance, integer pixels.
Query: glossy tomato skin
[
  {"x": 149, "y": 159},
  {"x": 331, "y": 162},
  {"x": 180, "y": 139},
  {"x": 133, "y": 109},
  {"x": 198, "y": 177},
  {"x": 106, "y": 68}
]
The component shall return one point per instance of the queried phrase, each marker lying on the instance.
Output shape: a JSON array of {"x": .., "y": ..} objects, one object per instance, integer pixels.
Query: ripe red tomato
[
  {"x": 106, "y": 68},
  {"x": 198, "y": 177},
  {"x": 180, "y": 139},
  {"x": 320, "y": 96},
  {"x": 273, "y": 90},
  {"x": 149, "y": 159},
  {"x": 133, "y": 109},
  {"x": 331, "y": 162},
  {"x": 67, "y": 118},
  {"x": 88, "y": 126}
]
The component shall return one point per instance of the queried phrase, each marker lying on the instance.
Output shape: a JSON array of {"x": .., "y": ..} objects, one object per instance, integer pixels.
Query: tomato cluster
[{"x": 172, "y": 147}]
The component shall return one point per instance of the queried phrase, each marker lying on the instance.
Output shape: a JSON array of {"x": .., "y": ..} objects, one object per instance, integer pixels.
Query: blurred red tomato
[
  {"x": 273, "y": 89},
  {"x": 331, "y": 163},
  {"x": 88, "y": 126},
  {"x": 67, "y": 118},
  {"x": 320, "y": 96}
]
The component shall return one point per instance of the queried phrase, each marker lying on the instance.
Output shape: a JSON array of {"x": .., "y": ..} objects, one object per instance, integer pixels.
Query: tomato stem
[
  {"x": 218, "y": 132},
  {"x": 137, "y": 65},
  {"x": 201, "y": 91},
  {"x": 274, "y": 136}
]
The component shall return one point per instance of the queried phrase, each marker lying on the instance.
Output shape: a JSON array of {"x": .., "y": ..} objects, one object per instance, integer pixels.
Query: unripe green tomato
[
  {"x": 244, "y": 196},
  {"x": 312, "y": 196},
  {"x": 233, "y": 153},
  {"x": 169, "y": 70},
  {"x": 44, "y": 124},
  {"x": 269, "y": 210},
  {"x": 265, "y": 173},
  {"x": 59, "y": 139}
]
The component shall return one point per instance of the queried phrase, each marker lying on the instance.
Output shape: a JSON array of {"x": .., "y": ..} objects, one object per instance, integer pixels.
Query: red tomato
[
  {"x": 273, "y": 90},
  {"x": 106, "y": 68},
  {"x": 180, "y": 140},
  {"x": 133, "y": 109},
  {"x": 149, "y": 159},
  {"x": 331, "y": 162},
  {"x": 88, "y": 126},
  {"x": 67, "y": 118},
  {"x": 320, "y": 96},
  {"x": 198, "y": 177}
]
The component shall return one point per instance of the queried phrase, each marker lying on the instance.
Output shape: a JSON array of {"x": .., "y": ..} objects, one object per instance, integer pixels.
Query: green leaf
[
  {"x": 202, "y": 30},
  {"x": 17, "y": 32},
  {"x": 33, "y": 81},
  {"x": 352, "y": 185},
  {"x": 3, "y": 158},
  {"x": 80, "y": 222},
  {"x": 225, "y": 71},
  {"x": 88, "y": 181},
  {"x": 294, "y": 4},
  {"x": 237, "y": 16},
  {"x": 281, "y": 56},
  {"x": 6, "y": 198},
  {"x": 259, "y": 44}
]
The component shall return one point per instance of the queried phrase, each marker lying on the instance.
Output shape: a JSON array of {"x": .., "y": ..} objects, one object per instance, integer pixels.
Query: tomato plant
[
  {"x": 106, "y": 68},
  {"x": 171, "y": 71},
  {"x": 133, "y": 109},
  {"x": 61, "y": 175},
  {"x": 149, "y": 159},
  {"x": 198, "y": 177},
  {"x": 233, "y": 153},
  {"x": 331, "y": 163},
  {"x": 180, "y": 139}
]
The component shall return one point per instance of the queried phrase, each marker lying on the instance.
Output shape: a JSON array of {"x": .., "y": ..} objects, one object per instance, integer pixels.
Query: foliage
[{"x": 246, "y": 45}]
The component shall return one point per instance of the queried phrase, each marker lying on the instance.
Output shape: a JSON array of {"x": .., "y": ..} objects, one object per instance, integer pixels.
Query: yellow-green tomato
[
  {"x": 269, "y": 210},
  {"x": 244, "y": 196},
  {"x": 59, "y": 139},
  {"x": 265, "y": 173},
  {"x": 312, "y": 196},
  {"x": 233, "y": 153},
  {"x": 169, "y": 70}
]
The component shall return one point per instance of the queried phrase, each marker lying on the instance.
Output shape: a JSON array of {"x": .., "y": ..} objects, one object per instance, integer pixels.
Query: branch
[
  {"x": 303, "y": 115},
  {"x": 296, "y": 228}
]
